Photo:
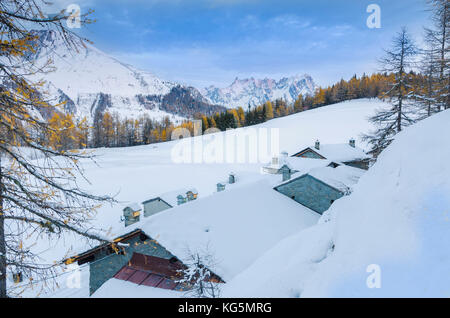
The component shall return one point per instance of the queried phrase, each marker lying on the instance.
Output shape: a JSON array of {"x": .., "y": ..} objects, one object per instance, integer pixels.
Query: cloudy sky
[{"x": 204, "y": 42}]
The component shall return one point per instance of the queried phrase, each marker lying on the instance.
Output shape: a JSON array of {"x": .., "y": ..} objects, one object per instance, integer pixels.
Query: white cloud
[
  {"x": 285, "y": 21},
  {"x": 291, "y": 21}
]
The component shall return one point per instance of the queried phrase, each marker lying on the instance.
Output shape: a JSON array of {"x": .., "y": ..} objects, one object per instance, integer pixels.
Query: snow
[
  {"x": 115, "y": 288},
  {"x": 85, "y": 73},
  {"x": 302, "y": 165},
  {"x": 342, "y": 178},
  {"x": 171, "y": 196},
  {"x": 341, "y": 152},
  {"x": 90, "y": 70},
  {"x": 396, "y": 221},
  {"x": 231, "y": 225},
  {"x": 282, "y": 270},
  {"x": 254, "y": 92},
  {"x": 134, "y": 206},
  {"x": 136, "y": 174}
]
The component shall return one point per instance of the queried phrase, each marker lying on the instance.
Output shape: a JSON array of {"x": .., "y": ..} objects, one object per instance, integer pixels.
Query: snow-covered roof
[
  {"x": 340, "y": 152},
  {"x": 236, "y": 226},
  {"x": 342, "y": 177},
  {"x": 303, "y": 165},
  {"x": 298, "y": 164}
]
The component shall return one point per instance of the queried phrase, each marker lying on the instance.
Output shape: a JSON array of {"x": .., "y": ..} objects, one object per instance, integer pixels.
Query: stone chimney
[
  {"x": 317, "y": 145},
  {"x": 181, "y": 199},
  {"x": 275, "y": 161},
  {"x": 131, "y": 214},
  {"x": 286, "y": 172},
  {"x": 352, "y": 143},
  {"x": 220, "y": 187},
  {"x": 231, "y": 178}
]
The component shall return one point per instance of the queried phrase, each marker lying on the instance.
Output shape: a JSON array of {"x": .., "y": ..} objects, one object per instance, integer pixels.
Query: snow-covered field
[{"x": 381, "y": 223}]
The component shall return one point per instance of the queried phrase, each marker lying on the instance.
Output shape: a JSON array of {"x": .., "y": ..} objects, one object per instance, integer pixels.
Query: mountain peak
[{"x": 243, "y": 92}]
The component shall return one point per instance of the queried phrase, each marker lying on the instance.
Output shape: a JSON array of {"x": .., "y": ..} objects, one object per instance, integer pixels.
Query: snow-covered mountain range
[
  {"x": 90, "y": 82},
  {"x": 251, "y": 91}
]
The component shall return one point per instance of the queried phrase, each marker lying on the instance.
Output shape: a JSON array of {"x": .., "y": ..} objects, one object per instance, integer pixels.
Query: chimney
[
  {"x": 192, "y": 194},
  {"x": 181, "y": 199},
  {"x": 286, "y": 172},
  {"x": 131, "y": 214},
  {"x": 231, "y": 178},
  {"x": 317, "y": 145},
  {"x": 220, "y": 187},
  {"x": 352, "y": 143},
  {"x": 274, "y": 161},
  {"x": 283, "y": 158}
]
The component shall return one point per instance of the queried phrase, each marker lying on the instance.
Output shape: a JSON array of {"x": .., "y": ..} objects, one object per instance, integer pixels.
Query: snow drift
[{"x": 394, "y": 229}]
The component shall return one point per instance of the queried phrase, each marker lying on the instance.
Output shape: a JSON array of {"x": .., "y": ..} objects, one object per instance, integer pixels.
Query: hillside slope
[
  {"x": 396, "y": 221},
  {"x": 90, "y": 82}
]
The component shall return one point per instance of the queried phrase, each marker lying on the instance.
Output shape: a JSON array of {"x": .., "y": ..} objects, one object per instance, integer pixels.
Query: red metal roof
[
  {"x": 140, "y": 277},
  {"x": 156, "y": 272},
  {"x": 162, "y": 266},
  {"x": 152, "y": 280},
  {"x": 125, "y": 273},
  {"x": 152, "y": 271}
]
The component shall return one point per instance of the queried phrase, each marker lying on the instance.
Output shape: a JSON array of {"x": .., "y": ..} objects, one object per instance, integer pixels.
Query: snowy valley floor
[{"x": 395, "y": 222}]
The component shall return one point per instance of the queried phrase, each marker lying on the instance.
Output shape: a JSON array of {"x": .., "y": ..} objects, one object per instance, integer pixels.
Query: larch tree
[
  {"x": 204, "y": 123},
  {"x": 319, "y": 98},
  {"x": 269, "y": 111},
  {"x": 235, "y": 114},
  {"x": 438, "y": 38},
  {"x": 399, "y": 59},
  {"x": 427, "y": 96},
  {"x": 82, "y": 133},
  {"x": 107, "y": 127},
  {"x": 298, "y": 104},
  {"x": 241, "y": 114},
  {"x": 39, "y": 199}
]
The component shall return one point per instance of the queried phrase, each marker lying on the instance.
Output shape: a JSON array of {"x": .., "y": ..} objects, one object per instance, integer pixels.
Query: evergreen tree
[
  {"x": 427, "y": 89},
  {"x": 399, "y": 59},
  {"x": 438, "y": 39}
]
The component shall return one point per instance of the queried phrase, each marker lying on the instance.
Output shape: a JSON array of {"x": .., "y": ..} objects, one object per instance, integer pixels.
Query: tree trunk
[
  {"x": 399, "y": 114},
  {"x": 444, "y": 36},
  {"x": 2, "y": 242}
]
